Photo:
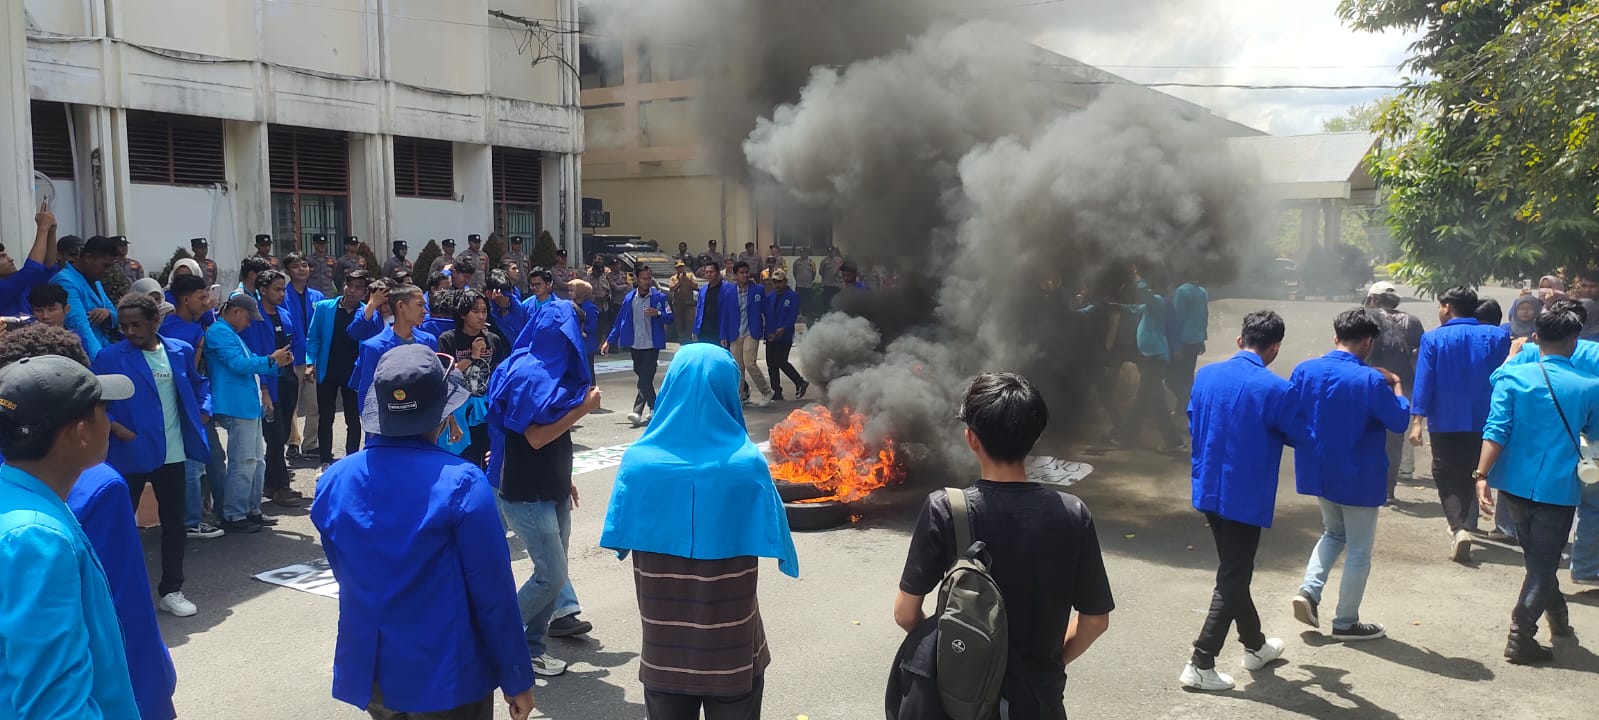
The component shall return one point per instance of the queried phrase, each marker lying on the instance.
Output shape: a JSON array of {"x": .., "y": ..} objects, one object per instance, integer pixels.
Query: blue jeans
[
  {"x": 246, "y": 466},
  {"x": 1585, "y": 549},
  {"x": 1344, "y": 527},
  {"x": 567, "y": 603},
  {"x": 545, "y": 529}
]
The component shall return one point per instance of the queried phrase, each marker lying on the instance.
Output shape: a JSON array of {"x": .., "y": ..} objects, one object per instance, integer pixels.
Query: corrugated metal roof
[{"x": 1305, "y": 166}]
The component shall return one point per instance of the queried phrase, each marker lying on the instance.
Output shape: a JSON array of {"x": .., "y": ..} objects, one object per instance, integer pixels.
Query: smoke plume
[{"x": 995, "y": 185}]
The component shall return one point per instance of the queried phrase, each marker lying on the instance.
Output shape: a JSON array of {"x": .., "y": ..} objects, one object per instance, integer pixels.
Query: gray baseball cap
[
  {"x": 38, "y": 394},
  {"x": 411, "y": 393},
  {"x": 243, "y": 300}
]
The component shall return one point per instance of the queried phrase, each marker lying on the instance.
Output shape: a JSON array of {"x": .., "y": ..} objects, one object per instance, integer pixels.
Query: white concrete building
[{"x": 164, "y": 120}]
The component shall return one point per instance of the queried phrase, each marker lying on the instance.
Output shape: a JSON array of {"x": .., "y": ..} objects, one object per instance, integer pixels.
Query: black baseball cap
[
  {"x": 351, "y": 240},
  {"x": 449, "y": 242},
  {"x": 516, "y": 239},
  {"x": 121, "y": 239},
  {"x": 411, "y": 393},
  {"x": 561, "y": 252},
  {"x": 199, "y": 242},
  {"x": 401, "y": 244},
  {"x": 319, "y": 239},
  {"x": 474, "y": 238},
  {"x": 263, "y": 239},
  {"x": 38, "y": 394},
  {"x": 243, "y": 300}
]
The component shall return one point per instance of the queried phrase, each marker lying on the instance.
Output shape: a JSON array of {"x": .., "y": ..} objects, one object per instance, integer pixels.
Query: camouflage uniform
[
  {"x": 271, "y": 260},
  {"x": 208, "y": 268}
]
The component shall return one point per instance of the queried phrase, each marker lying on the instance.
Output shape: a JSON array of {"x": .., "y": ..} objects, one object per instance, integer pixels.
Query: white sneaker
[
  {"x": 634, "y": 418},
  {"x": 764, "y": 401},
  {"x": 1257, "y": 659},
  {"x": 548, "y": 666},
  {"x": 1208, "y": 680},
  {"x": 177, "y": 604},
  {"x": 1461, "y": 544}
]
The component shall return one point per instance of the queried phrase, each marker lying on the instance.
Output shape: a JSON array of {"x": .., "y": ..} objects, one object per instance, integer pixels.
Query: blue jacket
[
  {"x": 1191, "y": 310},
  {"x": 1539, "y": 459},
  {"x": 14, "y": 287},
  {"x": 782, "y": 311},
  {"x": 300, "y": 306},
  {"x": 427, "y": 601},
  {"x": 1151, "y": 332},
  {"x": 193, "y": 333},
  {"x": 1585, "y": 358},
  {"x": 82, "y": 297},
  {"x": 726, "y": 312},
  {"x": 1351, "y": 410},
  {"x": 591, "y": 327},
  {"x": 366, "y": 361},
  {"x": 60, "y": 639},
  {"x": 100, "y": 501},
  {"x": 235, "y": 373},
  {"x": 437, "y": 325},
  {"x": 362, "y": 329},
  {"x": 142, "y": 412},
  {"x": 1453, "y": 369},
  {"x": 263, "y": 341},
  {"x": 511, "y": 320},
  {"x": 1240, "y": 415},
  {"x": 319, "y": 336},
  {"x": 622, "y": 330}
]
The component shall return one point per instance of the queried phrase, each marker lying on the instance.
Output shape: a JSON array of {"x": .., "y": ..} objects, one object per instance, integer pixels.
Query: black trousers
[
  {"x": 777, "y": 362},
  {"x": 328, "y": 392},
  {"x": 1454, "y": 457},
  {"x": 479, "y": 710},
  {"x": 478, "y": 448},
  {"x": 1231, "y": 603},
  {"x": 645, "y": 363},
  {"x": 1542, "y": 530},
  {"x": 1150, "y": 404},
  {"x": 277, "y": 433},
  {"x": 1180, "y": 373},
  {"x": 671, "y": 706},
  {"x": 171, "y": 486}
]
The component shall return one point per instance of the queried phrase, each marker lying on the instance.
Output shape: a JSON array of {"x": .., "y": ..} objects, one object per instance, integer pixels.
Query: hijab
[
  {"x": 1517, "y": 328},
  {"x": 545, "y": 377},
  {"x": 191, "y": 264},
  {"x": 694, "y": 486}
]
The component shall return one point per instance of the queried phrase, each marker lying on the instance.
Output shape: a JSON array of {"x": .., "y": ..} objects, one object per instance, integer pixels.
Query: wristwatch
[{"x": 1478, "y": 475}]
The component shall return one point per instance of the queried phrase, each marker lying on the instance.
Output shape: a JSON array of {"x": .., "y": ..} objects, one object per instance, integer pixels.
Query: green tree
[
  {"x": 544, "y": 251},
  {"x": 1488, "y": 165},
  {"x": 1359, "y": 118}
]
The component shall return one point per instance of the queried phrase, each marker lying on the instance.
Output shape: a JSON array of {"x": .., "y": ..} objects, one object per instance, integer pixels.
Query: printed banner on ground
[{"x": 313, "y": 577}]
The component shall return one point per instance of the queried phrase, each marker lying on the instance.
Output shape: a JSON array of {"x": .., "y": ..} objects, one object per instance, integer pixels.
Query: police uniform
[
  {"x": 130, "y": 269},
  {"x": 395, "y": 263},
  {"x": 714, "y": 256},
  {"x": 515, "y": 255},
  {"x": 208, "y": 267},
  {"x": 563, "y": 277},
  {"x": 348, "y": 263},
  {"x": 264, "y": 240},
  {"x": 446, "y": 256},
  {"x": 323, "y": 267},
  {"x": 478, "y": 258}
]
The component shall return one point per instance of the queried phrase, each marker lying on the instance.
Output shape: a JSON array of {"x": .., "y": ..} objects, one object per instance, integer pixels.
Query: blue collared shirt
[
  {"x": 427, "y": 602},
  {"x": 1452, "y": 374},
  {"x": 1351, "y": 409},
  {"x": 1585, "y": 358},
  {"x": 100, "y": 502},
  {"x": 82, "y": 298},
  {"x": 366, "y": 359},
  {"x": 1240, "y": 415},
  {"x": 14, "y": 287},
  {"x": 1539, "y": 460},
  {"x": 61, "y": 652}
]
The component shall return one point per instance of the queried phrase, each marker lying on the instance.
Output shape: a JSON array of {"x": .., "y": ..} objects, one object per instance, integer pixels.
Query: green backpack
[{"x": 973, "y": 637}]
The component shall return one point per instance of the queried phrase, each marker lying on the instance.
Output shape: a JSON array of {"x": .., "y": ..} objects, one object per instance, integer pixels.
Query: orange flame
[{"x": 828, "y": 449}]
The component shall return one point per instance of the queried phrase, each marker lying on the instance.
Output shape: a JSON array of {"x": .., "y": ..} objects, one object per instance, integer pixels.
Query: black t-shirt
[
  {"x": 459, "y": 344},
  {"x": 536, "y": 475},
  {"x": 711, "y": 320},
  {"x": 1045, "y": 558},
  {"x": 280, "y": 339},
  {"x": 343, "y": 349}
]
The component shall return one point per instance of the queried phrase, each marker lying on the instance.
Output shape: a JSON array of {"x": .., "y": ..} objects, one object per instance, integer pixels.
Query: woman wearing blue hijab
[
  {"x": 535, "y": 397},
  {"x": 695, "y": 505}
]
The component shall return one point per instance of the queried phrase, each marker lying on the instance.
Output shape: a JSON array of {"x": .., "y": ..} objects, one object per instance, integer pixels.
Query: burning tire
[
  {"x": 810, "y": 517},
  {"x": 795, "y": 492}
]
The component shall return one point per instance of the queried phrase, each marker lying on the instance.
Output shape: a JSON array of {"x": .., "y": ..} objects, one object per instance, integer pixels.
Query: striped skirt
[{"x": 702, "y": 624}]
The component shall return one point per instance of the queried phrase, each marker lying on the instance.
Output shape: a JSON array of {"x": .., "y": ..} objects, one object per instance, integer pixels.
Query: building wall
[
  {"x": 675, "y": 209},
  {"x": 167, "y": 216}
]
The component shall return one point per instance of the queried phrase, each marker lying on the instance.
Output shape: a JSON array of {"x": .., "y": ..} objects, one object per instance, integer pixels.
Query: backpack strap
[{"x": 961, "y": 515}]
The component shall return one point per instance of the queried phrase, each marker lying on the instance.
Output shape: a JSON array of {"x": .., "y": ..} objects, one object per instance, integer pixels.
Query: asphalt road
[{"x": 260, "y": 651}]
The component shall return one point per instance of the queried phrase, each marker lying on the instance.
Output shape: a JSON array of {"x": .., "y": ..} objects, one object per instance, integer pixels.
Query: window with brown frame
[
  {"x": 518, "y": 187},
  {"x": 52, "y": 141},
  {"x": 424, "y": 168},
  {"x": 168, "y": 149}
]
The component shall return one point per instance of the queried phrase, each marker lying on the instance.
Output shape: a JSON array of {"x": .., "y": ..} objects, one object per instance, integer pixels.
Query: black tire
[
  {"x": 795, "y": 492},
  {"x": 810, "y": 517}
]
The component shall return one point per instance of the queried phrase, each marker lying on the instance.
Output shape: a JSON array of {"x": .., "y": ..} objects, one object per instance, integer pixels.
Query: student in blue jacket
[
  {"x": 238, "y": 403},
  {"x": 15, "y": 282},
  {"x": 1351, "y": 408},
  {"x": 405, "y": 302},
  {"x": 90, "y": 312},
  {"x": 158, "y": 429},
  {"x": 716, "y": 308},
  {"x": 641, "y": 321},
  {"x": 300, "y": 298},
  {"x": 782, "y": 315},
  {"x": 1240, "y": 417},
  {"x": 331, "y": 353},
  {"x": 747, "y": 330},
  {"x": 277, "y": 329}
]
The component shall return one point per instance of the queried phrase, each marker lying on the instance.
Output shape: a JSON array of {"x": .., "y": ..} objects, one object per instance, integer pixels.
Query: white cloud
[{"x": 1260, "y": 42}]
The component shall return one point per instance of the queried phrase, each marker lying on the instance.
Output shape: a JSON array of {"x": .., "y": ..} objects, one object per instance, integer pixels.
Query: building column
[
  {"x": 16, "y": 130},
  {"x": 474, "y": 183},
  {"x": 249, "y": 170},
  {"x": 371, "y": 191}
]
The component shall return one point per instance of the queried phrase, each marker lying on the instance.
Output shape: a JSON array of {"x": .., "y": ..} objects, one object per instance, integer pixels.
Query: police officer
[
  {"x": 712, "y": 254},
  {"x": 127, "y": 270},
  {"x": 322, "y": 266},
  {"x": 446, "y": 257},
  {"x": 479, "y": 259},
  {"x": 350, "y": 261},
  {"x": 804, "y": 276},
  {"x": 563, "y": 274},
  {"x": 208, "y": 267},
  {"x": 516, "y": 255},
  {"x": 263, "y": 249},
  {"x": 397, "y": 261}
]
